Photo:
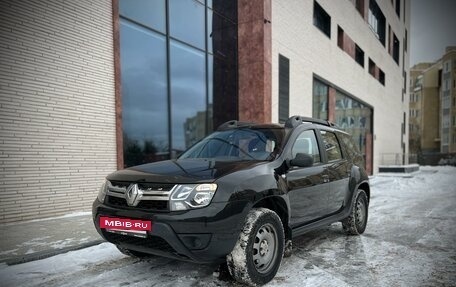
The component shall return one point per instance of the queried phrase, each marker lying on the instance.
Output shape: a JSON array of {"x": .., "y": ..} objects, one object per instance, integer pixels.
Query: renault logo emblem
[{"x": 133, "y": 195}]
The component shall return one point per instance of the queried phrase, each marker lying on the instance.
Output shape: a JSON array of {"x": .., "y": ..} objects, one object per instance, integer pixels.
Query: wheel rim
[
  {"x": 360, "y": 213},
  {"x": 265, "y": 248}
]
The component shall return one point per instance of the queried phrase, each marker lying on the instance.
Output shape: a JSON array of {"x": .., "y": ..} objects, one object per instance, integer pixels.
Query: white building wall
[
  {"x": 311, "y": 51},
  {"x": 57, "y": 116}
]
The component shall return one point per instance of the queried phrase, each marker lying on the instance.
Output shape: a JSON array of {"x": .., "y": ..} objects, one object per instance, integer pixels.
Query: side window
[
  {"x": 331, "y": 145},
  {"x": 351, "y": 147},
  {"x": 307, "y": 143}
]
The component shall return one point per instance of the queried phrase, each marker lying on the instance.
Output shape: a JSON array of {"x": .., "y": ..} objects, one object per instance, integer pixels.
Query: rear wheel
[
  {"x": 258, "y": 252},
  {"x": 355, "y": 224},
  {"x": 133, "y": 253}
]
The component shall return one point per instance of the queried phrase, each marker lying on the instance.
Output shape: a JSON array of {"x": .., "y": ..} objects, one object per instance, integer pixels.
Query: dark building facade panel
[{"x": 284, "y": 88}]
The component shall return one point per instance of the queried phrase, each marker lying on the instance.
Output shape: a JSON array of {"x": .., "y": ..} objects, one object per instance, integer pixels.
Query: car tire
[
  {"x": 257, "y": 255},
  {"x": 355, "y": 224},
  {"x": 133, "y": 253}
]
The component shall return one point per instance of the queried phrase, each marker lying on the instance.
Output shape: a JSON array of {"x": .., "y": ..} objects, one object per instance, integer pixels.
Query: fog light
[{"x": 195, "y": 241}]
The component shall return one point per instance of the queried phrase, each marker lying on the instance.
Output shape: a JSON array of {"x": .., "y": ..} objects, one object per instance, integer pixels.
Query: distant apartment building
[
  {"x": 432, "y": 115},
  {"x": 448, "y": 102},
  {"x": 424, "y": 132},
  {"x": 88, "y": 87}
]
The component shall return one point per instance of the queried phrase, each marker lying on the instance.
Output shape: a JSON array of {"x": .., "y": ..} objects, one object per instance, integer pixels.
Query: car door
[
  {"x": 338, "y": 169},
  {"x": 307, "y": 186}
]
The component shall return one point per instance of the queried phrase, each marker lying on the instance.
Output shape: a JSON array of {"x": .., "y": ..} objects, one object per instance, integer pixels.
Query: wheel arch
[
  {"x": 365, "y": 186},
  {"x": 279, "y": 206}
]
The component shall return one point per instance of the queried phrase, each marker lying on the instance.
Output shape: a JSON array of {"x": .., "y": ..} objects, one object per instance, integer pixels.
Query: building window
[
  {"x": 371, "y": 68},
  {"x": 415, "y": 98},
  {"x": 398, "y": 8},
  {"x": 403, "y": 18},
  {"x": 349, "y": 114},
  {"x": 359, "y": 55},
  {"x": 284, "y": 88},
  {"x": 320, "y": 100},
  {"x": 377, "y": 21},
  {"x": 360, "y": 7},
  {"x": 150, "y": 14},
  {"x": 405, "y": 40},
  {"x": 405, "y": 80},
  {"x": 381, "y": 77},
  {"x": 414, "y": 113},
  {"x": 396, "y": 50},
  {"x": 376, "y": 72},
  {"x": 355, "y": 118},
  {"x": 419, "y": 81},
  {"x": 445, "y": 139},
  {"x": 177, "y": 66},
  {"x": 186, "y": 22},
  {"x": 340, "y": 37},
  {"x": 321, "y": 19},
  {"x": 144, "y": 94},
  {"x": 349, "y": 46},
  {"x": 447, "y": 67}
]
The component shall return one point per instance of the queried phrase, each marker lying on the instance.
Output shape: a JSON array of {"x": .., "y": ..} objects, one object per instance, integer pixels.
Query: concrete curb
[{"x": 48, "y": 253}]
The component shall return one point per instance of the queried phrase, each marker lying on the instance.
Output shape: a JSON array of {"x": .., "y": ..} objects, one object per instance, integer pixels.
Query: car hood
[{"x": 181, "y": 171}]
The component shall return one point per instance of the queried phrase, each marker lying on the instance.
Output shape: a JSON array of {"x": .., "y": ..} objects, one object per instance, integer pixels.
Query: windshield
[{"x": 239, "y": 144}]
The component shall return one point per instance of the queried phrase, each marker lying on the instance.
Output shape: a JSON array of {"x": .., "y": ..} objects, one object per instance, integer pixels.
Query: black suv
[{"x": 240, "y": 194}]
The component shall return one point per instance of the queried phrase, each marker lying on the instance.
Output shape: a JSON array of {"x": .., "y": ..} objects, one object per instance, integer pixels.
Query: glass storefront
[
  {"x": 320, "y": 100},
  {"x": 178, "y": 65},
  {"x": 354, "y": 118},
  {"x": 351, "y": 115}
]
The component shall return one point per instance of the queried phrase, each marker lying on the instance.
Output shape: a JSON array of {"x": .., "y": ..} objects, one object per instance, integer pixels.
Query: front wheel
[
  {"x": 355, "y": 224},
  {"x": 258, "y": 252}
]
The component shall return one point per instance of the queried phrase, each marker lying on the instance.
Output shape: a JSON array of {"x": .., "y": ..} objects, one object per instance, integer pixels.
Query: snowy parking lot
[{"x": 409, "y": 241}]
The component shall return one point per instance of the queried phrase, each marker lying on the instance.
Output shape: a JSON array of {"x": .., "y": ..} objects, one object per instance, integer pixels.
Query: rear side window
[
  {"x": 331, "y": 145},
  {"x": 350, "y": 146},
  {"x": 307, "y": 143}
]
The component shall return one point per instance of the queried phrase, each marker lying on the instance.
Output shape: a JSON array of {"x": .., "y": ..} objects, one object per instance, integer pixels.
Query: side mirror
[{"x": 302, "y": 160}]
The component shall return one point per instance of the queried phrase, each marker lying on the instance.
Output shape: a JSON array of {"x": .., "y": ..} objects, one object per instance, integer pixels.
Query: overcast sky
[{"x": 433, "y": 27}]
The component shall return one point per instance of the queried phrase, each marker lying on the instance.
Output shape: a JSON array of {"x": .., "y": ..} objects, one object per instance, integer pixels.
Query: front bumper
[{"x": 203, "y": 235}]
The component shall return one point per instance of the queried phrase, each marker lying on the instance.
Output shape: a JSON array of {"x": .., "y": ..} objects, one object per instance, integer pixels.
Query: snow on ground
[{"x": 409, "y": 241}]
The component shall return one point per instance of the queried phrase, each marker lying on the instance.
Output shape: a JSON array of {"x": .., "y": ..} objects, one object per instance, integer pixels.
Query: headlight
[
  {"x": 102, "y": 192},
  {"x": 188, "y": 196}
]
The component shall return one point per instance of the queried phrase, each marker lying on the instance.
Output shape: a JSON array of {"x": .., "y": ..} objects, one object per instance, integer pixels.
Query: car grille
[
  {"x": 151, "y": 242},
  {"x": 155, "y": 196},
  {"x": 159, "y": 205}
]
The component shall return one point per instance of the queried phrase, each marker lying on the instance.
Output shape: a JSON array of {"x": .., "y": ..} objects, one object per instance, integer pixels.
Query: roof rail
[
  {"x": 233, "y": 124},
  {"x": 295, "y": 121}
]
